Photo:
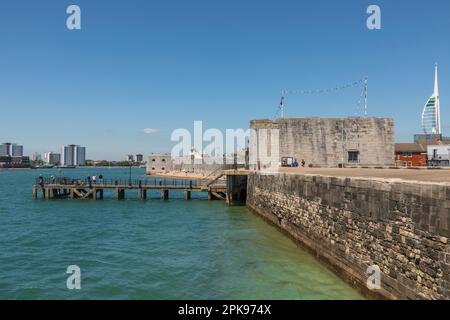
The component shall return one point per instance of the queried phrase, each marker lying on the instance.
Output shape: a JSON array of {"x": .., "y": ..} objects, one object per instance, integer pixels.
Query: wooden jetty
[
  {"x": 58, "y": 187},
  {"x": 232, "y": 189}
]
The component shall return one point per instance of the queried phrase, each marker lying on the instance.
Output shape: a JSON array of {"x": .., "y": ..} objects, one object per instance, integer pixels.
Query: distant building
[
  {"x": 4, "y": 150},
  {"x": 159, "y": 163},
  {"x": 73, "y": 155},
  {"x": 139, "y": 158},
  {"x": 52, "y": 158},
  {"x": 36, "y": 156},
  {"x": 80, "y": 156},
  {"x": 129, "y": 158},
  {"x": 14, "y": 162},
  {"x": 438, "y": 155},
  {"x": 431, "y": 115},
  {"x": 16, "y": 150},
  {"x": 11, "y": 149},
  {"x": 195, "y": 162},
  {"x": 410, "y": 155}
]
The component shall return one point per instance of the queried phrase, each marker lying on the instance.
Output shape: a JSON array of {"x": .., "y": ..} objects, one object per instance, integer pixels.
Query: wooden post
[
  {"x": 72, "y": 194},
  {"x": 187, "y": 195},
  {"x": 120, "y": 194},
  {"x": 101, "y": 194},
  {"x": 34, "y": 192},
  {"x": 94, "y": 194},
  {"x": 142, "y": 194},
  {"x": 164, "y": 194}
]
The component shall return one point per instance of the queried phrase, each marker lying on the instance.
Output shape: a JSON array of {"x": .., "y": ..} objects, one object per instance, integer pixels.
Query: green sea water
[{"x": 152, "y": 249}]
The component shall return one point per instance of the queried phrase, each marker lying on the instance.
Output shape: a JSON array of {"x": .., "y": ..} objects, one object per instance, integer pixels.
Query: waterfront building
[
  {"x": 52, "y": 158},
  {"x": 159, "y": 163},
  {"x": 139, "y": 158},
  {"x": 36, "y": 156},
  {"x": 11, "y": 149},
  {"x": 322, "y": 142},
  {"x": 431, "y": 115},
  {"x": 80, "y": 156},
  {"x": 14, "y": 162},
  {"x": 195, "y": 162},
  {"x": 73, "y": 155},
  {"x": 16, "y": 150},
  {"x": 4, "y": 150},
  {"x": 438, "y": 155},
  {"x": 410, "y": 155},
  {"x": 129, "y": 158}
]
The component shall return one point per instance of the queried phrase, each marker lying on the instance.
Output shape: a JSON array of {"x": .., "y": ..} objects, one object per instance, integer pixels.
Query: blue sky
[{"x": 163, "y": 64}]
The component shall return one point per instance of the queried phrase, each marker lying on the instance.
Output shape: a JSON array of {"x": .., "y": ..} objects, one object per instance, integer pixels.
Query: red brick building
[{"x": 410, "y": 155}]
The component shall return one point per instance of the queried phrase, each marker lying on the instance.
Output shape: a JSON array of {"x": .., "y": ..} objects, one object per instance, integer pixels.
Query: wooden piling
[
  {"x": 142, "y": 194},
  {"x": 187, "y": 195},
  {"x": 120, "y": 194},
  {"x": 164, "y": 194}
]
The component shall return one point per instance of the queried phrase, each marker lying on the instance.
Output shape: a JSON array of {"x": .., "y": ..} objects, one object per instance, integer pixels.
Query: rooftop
[{"x": 409, "y": 147}]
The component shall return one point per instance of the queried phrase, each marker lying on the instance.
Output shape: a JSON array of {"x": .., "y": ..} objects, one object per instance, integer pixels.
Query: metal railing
[{"x": 122, "y": 182}]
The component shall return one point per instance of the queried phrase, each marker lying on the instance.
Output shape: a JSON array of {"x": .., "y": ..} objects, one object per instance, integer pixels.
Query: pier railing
[{"x": 111, "y": 182}]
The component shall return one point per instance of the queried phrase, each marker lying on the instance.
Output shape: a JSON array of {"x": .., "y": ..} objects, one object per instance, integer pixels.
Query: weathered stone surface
[
  {"x": 401, "y": 227},
  {"x": 325, "y": 142}
]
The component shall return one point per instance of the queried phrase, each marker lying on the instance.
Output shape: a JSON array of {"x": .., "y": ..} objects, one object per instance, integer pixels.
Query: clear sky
[{"x": 163, "y": 64}]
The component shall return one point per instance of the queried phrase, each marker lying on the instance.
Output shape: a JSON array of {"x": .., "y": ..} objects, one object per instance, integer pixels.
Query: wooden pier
[{"x": 59, "y": 188}]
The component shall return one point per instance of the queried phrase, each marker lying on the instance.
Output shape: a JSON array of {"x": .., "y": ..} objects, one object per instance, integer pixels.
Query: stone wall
[
  {"x": 164, "y": 163},
  {"x": 351, "y": 223},
  {"x": 327, "y": 142},
  {"x": 159, "y": 163}
]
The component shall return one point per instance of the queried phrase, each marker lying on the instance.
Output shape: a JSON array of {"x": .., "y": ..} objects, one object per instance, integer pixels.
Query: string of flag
[
  {"x": 284, "y": 93},
  {"x": 321, "y": 91}
]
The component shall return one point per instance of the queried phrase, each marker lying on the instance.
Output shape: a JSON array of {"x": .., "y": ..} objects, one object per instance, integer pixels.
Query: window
[
  {"x": 163, "y": 168},
  {"x": 153, "y": 168},
  {"x": 153, "y": 160},
  {"x": 407, "y": 154},
  {"x": 353, "y": 156},
  {"x": 163, "y": 160}
]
